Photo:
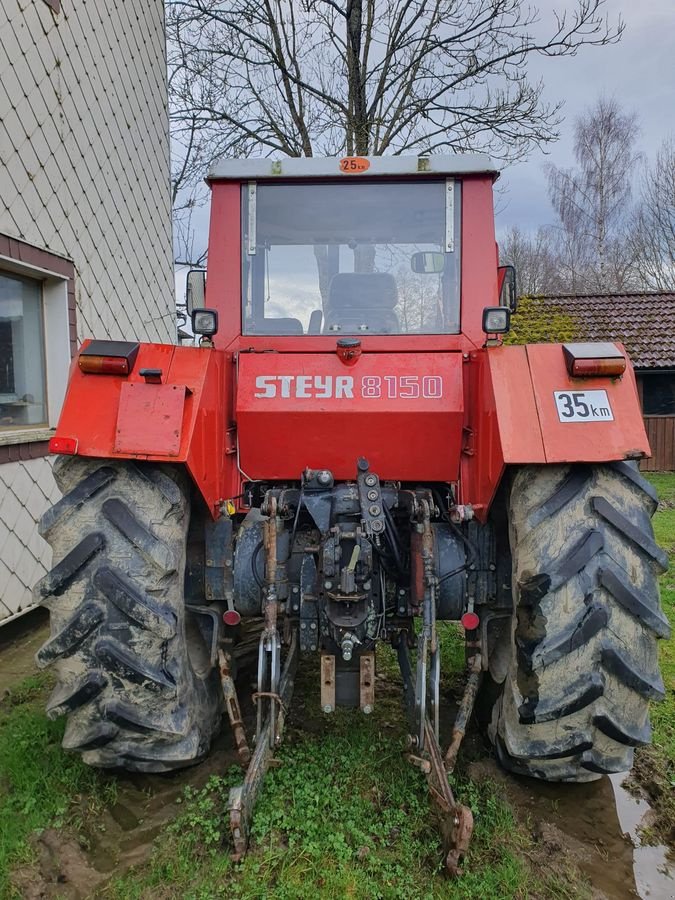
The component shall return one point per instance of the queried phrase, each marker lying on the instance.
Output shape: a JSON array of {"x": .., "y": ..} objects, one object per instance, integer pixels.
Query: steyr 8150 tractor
[{"x": 350, "y": 455}]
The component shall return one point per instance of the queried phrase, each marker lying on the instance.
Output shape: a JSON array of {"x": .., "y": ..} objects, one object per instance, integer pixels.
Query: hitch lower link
[
  {"x": 272, "y": 698},
  {"x": 424, "y": 750}
]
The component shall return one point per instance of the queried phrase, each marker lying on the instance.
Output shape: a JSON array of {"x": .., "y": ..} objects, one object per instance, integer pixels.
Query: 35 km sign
[{"x": 583, "y": 406}]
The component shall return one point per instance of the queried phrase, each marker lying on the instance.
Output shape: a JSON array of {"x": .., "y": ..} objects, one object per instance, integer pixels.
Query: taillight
[
  {"x": 103, "y": 365},
  {"x": 609, "y": 367},
  {"x": 594, "y": 359},
  {"x": 108, "y": 357},
  {"x": 64, "y": 445},
  {"x": 470, "y": 621}
]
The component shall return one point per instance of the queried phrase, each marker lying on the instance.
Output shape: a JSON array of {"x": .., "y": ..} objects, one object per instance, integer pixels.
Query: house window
[
  {"x": 38, "y": 337},
  {"x": 23, "y": 396},
  {"x": 658, "y": 394}
]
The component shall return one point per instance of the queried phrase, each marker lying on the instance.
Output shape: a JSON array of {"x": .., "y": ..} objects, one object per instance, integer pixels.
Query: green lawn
[
  {"x": 344, "y": 815},
  {"x": 40, "y": 785},
  {"x": 655, "y": 765}
]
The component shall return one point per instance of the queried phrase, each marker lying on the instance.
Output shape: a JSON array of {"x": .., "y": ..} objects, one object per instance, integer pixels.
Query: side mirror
[
  {"x": 508, "y": 296},
  {"x": 195, "y": 290},
  {"x": 427, "y": 263}
]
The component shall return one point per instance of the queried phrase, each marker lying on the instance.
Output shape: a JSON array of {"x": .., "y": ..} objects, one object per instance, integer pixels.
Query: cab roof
[{"x": 331, "y": 166}]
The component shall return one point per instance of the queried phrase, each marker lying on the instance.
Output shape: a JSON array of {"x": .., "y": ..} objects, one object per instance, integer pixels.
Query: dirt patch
[
  {"x": 574, "y": 828},
  {"x": 19, "y": 640},
  {"x": 62, "y": 870},
  {"x": 71, "y": 867}
]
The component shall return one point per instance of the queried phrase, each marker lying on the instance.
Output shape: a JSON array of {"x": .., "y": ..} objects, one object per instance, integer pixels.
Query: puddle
[
  {"x": 653, "y": 867},
  {"x": 595, "y": 827}
]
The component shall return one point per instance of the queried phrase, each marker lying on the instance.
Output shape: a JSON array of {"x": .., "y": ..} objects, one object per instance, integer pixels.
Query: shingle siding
[{"x": 84, "y": 174}]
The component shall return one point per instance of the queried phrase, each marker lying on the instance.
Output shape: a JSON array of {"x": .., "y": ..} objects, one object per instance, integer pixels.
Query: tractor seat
[
  {"x": 362, "y": 301},
  {"x": 276, "y": 326}
]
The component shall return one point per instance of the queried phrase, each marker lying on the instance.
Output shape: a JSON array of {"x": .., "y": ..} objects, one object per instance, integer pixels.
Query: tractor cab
[{"x": 375, "y": 251}]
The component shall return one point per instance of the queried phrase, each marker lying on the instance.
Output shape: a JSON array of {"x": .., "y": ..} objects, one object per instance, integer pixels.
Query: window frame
[{"x": 57, "y": 277}]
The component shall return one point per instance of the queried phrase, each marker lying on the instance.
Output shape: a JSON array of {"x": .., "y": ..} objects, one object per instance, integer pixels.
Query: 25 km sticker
[{"x": 583, "y": 406}]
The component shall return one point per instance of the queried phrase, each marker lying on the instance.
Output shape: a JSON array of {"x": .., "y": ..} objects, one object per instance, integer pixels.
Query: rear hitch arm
[
  {"x": 424, "y": 749},
  {"x": 243, "y": 798},
  {"x": 456, "y": 820}
]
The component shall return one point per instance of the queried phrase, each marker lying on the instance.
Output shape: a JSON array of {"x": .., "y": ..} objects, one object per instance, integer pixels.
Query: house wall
[
  {"x": 84, "y": 208},
  {"x": 661, "y": 434}
]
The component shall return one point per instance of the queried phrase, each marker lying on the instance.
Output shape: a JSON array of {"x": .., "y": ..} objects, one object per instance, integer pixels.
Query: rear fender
[
  {"x": 524, "y": 408},
  {"x": 180, "y": 420}
]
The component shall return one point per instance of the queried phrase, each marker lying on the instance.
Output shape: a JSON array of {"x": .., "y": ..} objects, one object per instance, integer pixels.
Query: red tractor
[{"x": 351, "y": 448}]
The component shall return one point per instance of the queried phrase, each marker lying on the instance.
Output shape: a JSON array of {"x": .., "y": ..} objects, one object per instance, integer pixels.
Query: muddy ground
[{"x": 592, "y": 828}]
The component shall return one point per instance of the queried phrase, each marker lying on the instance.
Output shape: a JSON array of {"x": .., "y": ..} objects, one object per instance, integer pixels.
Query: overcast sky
[{"x": 639, "y": 72}]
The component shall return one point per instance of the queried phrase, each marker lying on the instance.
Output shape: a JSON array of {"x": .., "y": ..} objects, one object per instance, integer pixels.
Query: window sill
[{"x": 25, "y": 436}]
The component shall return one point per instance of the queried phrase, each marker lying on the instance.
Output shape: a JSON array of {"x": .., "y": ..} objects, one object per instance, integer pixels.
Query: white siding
[{"x": 84, "y": 173}]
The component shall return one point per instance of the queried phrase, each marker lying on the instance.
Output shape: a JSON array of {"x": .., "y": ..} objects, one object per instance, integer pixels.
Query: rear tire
[
  {"x": 583, "y": 662},
  {"x": 133, "y": 675}
]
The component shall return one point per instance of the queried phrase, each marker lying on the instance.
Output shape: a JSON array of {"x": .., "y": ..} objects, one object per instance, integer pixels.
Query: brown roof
[{"x": 645, "y": 323}]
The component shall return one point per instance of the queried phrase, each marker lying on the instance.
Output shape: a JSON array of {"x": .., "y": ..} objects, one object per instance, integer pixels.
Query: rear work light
[
  {"x": 64, "y": 445},
  {"x": 594, "y": 360},
  {"x": 496, "y": 319},
  {"x": 108, "y": 357}
]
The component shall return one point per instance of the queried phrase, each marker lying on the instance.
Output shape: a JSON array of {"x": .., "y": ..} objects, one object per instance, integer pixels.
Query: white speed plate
[{"x": 583, "y": 406}]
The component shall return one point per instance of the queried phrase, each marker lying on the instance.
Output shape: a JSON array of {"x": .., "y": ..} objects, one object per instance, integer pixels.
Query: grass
[
  {"x": 343, "y": 815},
  {"x": 655, "y": 765},
  {"x": 40, "y": 785}
]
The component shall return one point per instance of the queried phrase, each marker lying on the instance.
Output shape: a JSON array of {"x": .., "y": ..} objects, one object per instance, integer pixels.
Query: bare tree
[
  {"x": 308, "y": 77},
  {"x": 593, "y": 201},
  {"x": 653, "y": 231},
  {"x": 534, "y": 259}
]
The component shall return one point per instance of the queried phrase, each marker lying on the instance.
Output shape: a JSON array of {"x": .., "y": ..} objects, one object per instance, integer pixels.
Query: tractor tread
[
  {"x": 631, "y": 472},
  {"x": 135, "y": 604},
  {"x": 143, "y": 722},
  {"x": 64, "y": 573},
  {"x": 612, "y": 515},
  {"x": 591, "y": 620},
  {"x": 584, "y": 657},
  {"x": 571, "y": 745},
  {"x": 98, "y": 734},
  {"x": 622, "y": 733},
  {"x": 581, "y": 554},
  {"x": 131, "y": 667},
  {"x": 66, "y": 698},
  {"x": 620, "y": 665},
  {"x": 67, "y": 505},
  {"x": 71, "y": 635},
  {"x": 606, "y": 765},
  {"x": 571, "y": 699},
  {"x": 126, "y": 679},
  {"x": 576, "y": 481},
  {"x": 619, "y": 587},
  {"x": 118, "y": 513}
]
